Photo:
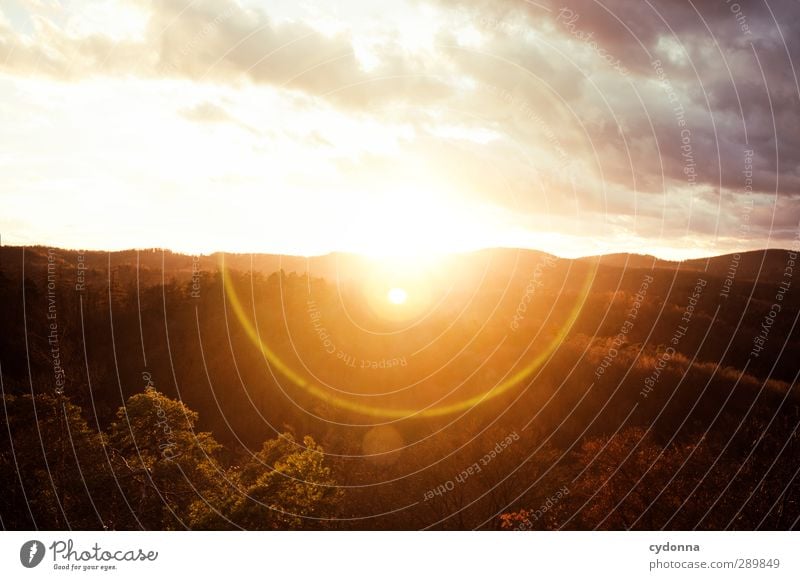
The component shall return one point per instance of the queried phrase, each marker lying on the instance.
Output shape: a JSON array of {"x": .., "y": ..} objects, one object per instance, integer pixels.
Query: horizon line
[{"x": 389, "y": 257}]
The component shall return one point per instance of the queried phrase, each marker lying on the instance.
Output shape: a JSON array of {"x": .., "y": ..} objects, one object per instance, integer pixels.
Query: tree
[
  {"x": 629, "y": 481},
  {"x": 163, "y": 464},
  {"x": 173, "y": 476},
  {"x": 283, "y": 486},
  {"x": 53, "y": 469}
]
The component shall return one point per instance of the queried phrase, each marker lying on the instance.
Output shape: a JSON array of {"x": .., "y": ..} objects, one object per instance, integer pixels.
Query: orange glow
[{"x": 391, "y": 414}]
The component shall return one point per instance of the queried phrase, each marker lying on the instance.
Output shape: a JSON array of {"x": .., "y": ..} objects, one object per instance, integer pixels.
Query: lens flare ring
[{"x": 399, "y": 413}]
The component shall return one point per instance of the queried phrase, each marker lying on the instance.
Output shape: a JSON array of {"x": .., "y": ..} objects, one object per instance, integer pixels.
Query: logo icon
[{"x": 31, "y": 553}]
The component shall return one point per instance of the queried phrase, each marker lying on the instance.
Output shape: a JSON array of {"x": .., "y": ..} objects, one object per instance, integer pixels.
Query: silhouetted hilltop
[
  {"x": 635, "y": 261},
  {"x": 751, "y": 265},
  {"x": 764, "y": 265},
  {"x": 154, "y": 264}
]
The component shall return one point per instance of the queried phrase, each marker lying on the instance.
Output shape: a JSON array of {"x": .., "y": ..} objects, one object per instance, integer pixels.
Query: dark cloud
[{"x": 726, "y": 84}]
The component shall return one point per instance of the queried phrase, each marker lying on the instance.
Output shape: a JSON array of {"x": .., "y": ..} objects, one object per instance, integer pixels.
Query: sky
[{"x": 400, "y": 126}]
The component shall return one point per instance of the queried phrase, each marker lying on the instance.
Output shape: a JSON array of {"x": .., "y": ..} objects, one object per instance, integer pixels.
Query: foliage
[{"x": 152, "y": 470}]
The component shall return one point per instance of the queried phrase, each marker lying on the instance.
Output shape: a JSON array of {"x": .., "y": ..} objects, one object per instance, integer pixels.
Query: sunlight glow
[
  {"x": 397, "y": 296},
  {"x": 417, "y": 223}
]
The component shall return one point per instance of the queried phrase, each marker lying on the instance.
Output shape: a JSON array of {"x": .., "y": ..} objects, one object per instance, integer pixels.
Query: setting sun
[{"x": 397, "y": 296}]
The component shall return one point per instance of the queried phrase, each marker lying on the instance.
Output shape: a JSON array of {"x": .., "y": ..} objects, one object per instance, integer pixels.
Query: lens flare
[{"x": 392, "y": 413}]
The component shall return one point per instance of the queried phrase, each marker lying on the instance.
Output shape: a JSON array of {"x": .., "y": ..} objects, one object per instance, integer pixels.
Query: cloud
[
  {"x": 219, "y": 41},
  {"x": 206, "y": 112},
  {"x": 637, "y": 112},
  {"x": 724, "y": 82}
]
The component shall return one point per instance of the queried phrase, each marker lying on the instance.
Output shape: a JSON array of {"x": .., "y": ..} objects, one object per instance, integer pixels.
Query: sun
[{"x": 397, "y": 296}]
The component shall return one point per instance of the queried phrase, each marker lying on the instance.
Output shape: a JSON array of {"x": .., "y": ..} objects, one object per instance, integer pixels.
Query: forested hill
[
  {"x": 153, "y": 262},
  {"x": 562, "y": 353}
]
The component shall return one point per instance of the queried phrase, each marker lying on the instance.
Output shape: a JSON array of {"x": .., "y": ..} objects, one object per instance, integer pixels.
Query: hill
[{"x": 554, "y": 357}]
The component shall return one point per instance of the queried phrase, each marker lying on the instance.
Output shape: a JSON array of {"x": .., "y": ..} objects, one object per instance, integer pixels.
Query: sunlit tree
[
  {"x": 285, "y": 485},
  {"x": 162, "y": 462}
]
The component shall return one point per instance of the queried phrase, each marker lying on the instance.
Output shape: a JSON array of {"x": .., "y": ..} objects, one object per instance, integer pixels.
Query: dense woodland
[{"x": 665, "y": 395}]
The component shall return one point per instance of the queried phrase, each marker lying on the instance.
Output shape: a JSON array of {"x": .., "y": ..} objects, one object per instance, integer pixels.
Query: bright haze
[{"x": 400, "y": 127}]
